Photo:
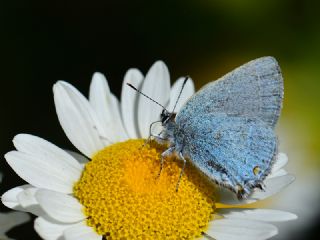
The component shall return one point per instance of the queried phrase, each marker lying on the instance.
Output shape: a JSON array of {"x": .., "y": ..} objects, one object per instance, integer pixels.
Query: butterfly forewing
[{"x": 255, "y": 89}]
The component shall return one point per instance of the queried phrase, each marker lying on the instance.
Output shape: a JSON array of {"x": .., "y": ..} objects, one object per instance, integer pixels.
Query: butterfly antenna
[
  {"x": 130, "y": 85},
  {"x": 183, "y": 85}
]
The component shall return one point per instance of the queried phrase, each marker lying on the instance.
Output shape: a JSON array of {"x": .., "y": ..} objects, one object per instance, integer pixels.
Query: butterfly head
[{"x": 166, "y": 116}]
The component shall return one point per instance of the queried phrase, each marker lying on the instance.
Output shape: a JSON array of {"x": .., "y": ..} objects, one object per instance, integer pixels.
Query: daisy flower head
[{"x": 111, "y": 190}]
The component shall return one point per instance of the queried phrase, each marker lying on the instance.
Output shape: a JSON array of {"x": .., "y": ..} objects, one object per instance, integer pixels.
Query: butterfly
[{"x": 226, "y": 129}]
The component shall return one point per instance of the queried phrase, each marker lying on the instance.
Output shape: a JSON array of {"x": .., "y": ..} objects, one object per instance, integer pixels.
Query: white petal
[
  {"x": 265, "y": 215},
  {"x": 77, "y": 119},
  {"x": 230, "y": 229},
  {"x": 157, "y": 86},
  {"x": 278, "y": 173},
  {"x": 187, "y": 92},
  {"x": 50, "y": 230},
  {"x": 27, "y": 197},
  {"x": 42, "y": 173},
  {"x": 280, "y": 162},
  {"x": 47, "y": 151},
  {"x": 59, "y": 206},
  {"x": 12, "y": 219},
  {"x": 106, "y": 107},
  {"x": 272, "y": 186},
  {"x": 10, "y": 197},
  {"x": 99, "y": 99},
  {"x": 22, "y": 198},
  {"x": 81, "y": 232},
  {"x": 29, "y": 202},
  {"x": 129, "y": 102},
  {"x": 79, "y": 157},
  {"x": 116, "y": 113}
]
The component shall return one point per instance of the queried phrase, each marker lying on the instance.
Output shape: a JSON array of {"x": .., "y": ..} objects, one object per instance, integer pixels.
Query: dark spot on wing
[
  {"x": 217, "y": 135},
  {"x": 213, "y": 164}
]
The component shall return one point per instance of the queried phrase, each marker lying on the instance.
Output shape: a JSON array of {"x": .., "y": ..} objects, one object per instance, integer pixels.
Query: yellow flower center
[{"x": 124, "y": 199}]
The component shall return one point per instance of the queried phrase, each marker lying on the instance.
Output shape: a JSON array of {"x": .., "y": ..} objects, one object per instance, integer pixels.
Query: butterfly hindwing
[
  {"x": 234, "y": 151},
  {"x": 255, "y": 89}
]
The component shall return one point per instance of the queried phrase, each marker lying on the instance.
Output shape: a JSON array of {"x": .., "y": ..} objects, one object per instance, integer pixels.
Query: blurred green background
[{"x": 44, "y": 41}]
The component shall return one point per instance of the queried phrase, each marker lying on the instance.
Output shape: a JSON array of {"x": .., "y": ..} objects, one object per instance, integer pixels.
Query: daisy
[{"x": 116, "y": 195}]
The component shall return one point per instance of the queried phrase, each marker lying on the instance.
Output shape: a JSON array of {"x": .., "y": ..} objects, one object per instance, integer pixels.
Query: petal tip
[
  {"x": 159, "y": 64},
  {"x": 98, "y": 76}
]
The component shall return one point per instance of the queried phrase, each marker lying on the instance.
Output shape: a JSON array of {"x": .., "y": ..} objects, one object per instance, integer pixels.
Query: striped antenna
[{"x": 130, "y": 85}]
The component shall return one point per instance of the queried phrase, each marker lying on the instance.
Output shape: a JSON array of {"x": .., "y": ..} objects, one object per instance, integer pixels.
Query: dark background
[{"x": 42, "y": 42}]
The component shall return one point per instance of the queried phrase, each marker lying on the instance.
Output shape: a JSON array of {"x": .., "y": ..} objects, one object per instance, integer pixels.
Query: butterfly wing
[
  {"x": 255, "y": 89},
  {"x": 234, "y": 151}
]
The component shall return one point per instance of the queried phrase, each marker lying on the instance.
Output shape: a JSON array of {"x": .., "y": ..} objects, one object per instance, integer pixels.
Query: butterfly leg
[
  {"x": 182, "y": 170},
  {"x": 159, "y": 139},
  {"x": 166, "y": 153},
  {"x": 150, "y": 134}
]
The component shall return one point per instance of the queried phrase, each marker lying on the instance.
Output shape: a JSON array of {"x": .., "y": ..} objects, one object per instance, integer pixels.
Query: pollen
[{"x": 124, "y": 198}]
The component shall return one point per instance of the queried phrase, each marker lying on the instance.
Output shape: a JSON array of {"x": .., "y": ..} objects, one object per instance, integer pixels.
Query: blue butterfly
[{"x": 226, "y": 129}]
